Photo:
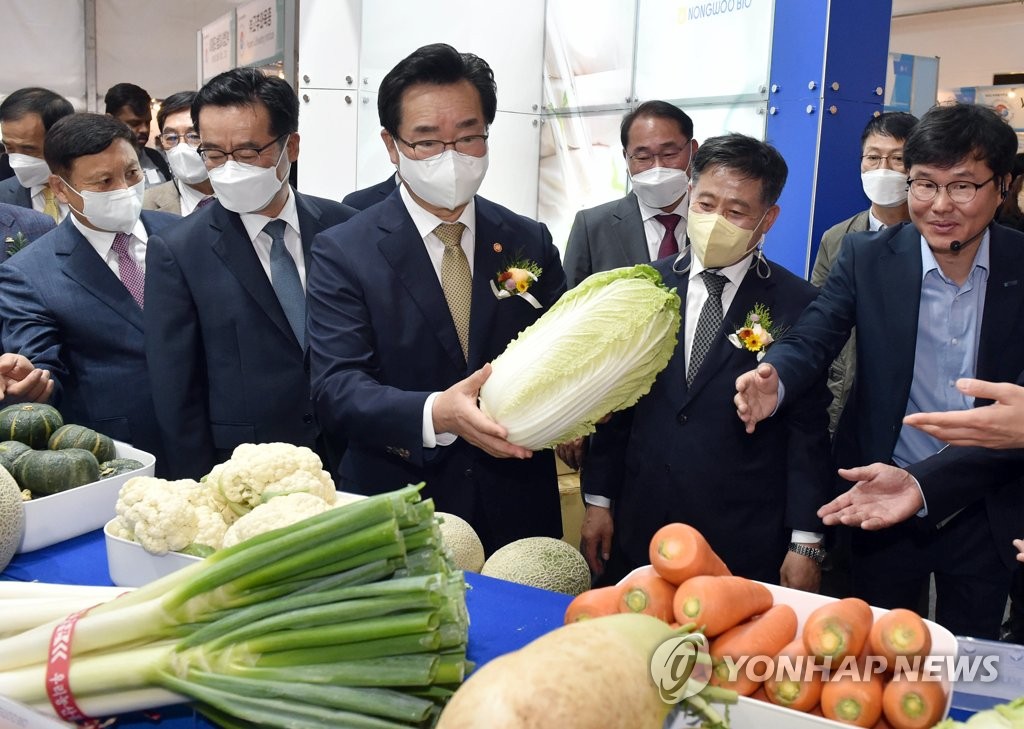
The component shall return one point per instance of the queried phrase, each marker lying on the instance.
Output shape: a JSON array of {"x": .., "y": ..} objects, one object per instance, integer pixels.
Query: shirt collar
[
  {"x": 981, "y": 258},
  {"x": 647, "y": 212},
  {"x": 425, "y": 222},
  {"x": 874, "y": 224},
  {"x": 103, "y": 240},
  {"x": 254, "y": 222}
]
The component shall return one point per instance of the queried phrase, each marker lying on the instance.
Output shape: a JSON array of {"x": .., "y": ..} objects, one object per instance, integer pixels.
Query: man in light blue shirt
[{"x": 933, "y": 301}]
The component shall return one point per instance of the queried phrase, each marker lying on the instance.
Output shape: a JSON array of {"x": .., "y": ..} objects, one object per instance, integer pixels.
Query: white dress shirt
[
  {"x": 655, "y": 231},
  {"x": 261, "y": 241},
  {"x": 189, "y": 198},
  {"x": 102, "y": 242},
  {"x": 425, "y": 223}
]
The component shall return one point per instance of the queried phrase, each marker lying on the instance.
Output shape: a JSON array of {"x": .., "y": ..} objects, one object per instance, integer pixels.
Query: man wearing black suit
[
  {"x": 25, "y": 117},
  {"x": 71, "y": 302},
  {"x": 933, "y": 301},
  {"x": 226, "y": 331},
  {"x": 679, "y": 455},
  {"x": 362, "y": 199},
  {"x": 18, "y": 222},
  {"x": 403, "y": 317},
  {"x": 132, "y": 105}
]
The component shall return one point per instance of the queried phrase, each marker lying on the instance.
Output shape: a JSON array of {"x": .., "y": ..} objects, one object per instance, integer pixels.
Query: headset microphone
[{"x": 955, "y": 246}]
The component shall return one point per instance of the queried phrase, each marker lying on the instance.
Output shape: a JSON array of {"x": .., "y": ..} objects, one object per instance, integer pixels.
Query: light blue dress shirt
[{"x": 948, "y": 330}]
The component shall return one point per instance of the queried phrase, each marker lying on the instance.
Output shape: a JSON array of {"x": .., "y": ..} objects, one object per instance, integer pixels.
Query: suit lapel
[
  {"x": 487, "y": 263},
  {"x": 309, "y": 223},
  {"x": 899, "y": 288},
  {"x": 232, "y": 245},
  {"x": 81, "y": 263},
  {"x": 1004, "y": 295},
  {"x": 628, "y": 230},
  {"x": 403, "y": 249}
]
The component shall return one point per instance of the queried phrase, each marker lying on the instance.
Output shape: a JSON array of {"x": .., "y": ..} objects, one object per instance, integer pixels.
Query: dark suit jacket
[
  {"x": 65, "y": 310},
  {"x": 381, "y": 339},
  {"x": 15, "y": 219},
  {"x": 362, "y": 199},
  {"x": 605, "y": 237},
  {"x": 226, "y": 366},
  {"x": 876, "y": 284},
  {"x": 12, "y": 193},
  {"x": 681, "y": 454}
]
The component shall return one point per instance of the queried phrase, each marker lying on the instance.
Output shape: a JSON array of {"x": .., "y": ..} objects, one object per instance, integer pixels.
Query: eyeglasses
[
  {"x": 474, "y": 145},
  {"x": 646, "y": 159},
  {"x": 873, "y": 161},
  {"x": 245, "y": 155},
  {"x": 171, "y": 140},
  {"x": 959, "y": 191}
]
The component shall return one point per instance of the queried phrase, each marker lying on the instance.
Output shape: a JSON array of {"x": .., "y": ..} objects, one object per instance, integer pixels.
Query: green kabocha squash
[
  {"x": 117, "y": 466},
  {"x": 78, "y": 436},
  {"x": 31, "y": 423},
  {"x": 49, "y": 472},
  {"x": 10, "y": 450}
]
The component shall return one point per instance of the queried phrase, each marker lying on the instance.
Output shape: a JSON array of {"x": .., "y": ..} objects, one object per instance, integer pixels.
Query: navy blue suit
[
  {"x": 64, "y": 309},
  {"x": 876, "y": 285},
  {"x": 381, "y": 339},
  {"x": 12, "y": 193},
  {"x": 15, "y": 219},
  {"x": 364, "y": 198},
  {"x": 681, "y": 454},
  {"x": 226, "y": 366}
]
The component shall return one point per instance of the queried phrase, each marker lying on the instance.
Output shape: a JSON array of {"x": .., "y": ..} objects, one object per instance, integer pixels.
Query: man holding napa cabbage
[
  {"x": 679, "y": 455},
  {"x": 410, "y": 299}
]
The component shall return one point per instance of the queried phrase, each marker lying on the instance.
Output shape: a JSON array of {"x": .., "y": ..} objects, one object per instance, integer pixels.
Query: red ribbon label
[{"x": 58, "y": 666}]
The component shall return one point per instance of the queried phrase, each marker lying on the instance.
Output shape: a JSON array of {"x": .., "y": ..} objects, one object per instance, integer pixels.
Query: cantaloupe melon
[
  {"x": 12, "y": 517},
  {"x": 462, "y": 542},
  {"x": 543, "y": 562}
]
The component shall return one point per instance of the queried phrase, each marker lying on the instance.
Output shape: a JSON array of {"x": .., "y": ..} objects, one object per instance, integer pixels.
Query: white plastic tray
[
  {"x": 55, "y": 518},
  {"x": 753, "y": 714},
  {"x": 132, "y": 566}
]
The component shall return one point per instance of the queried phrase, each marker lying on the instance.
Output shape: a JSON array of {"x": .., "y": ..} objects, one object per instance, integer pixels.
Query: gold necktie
[
  {"x": 50, "y": 206},
  {"x": 456, "y": 280}
]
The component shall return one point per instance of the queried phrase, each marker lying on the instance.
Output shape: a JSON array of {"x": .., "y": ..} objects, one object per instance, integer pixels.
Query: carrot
[
  {"x": 913, "y": 703},
  {"x": 899, "y": 632},
  {"x": 743, "y": 654},
  {"x": 849, "y": 698},
  {"x": 679, "y": 552},
  {"x": 645, "y": 591},
  {"x": 593, "y": 604},
  {"x": 719, "y": 602},
  {"x": 793, "y": 683},
  {"x": 838, "y": 629}
]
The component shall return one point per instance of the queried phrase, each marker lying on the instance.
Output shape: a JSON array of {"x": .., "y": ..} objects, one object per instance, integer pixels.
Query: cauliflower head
[
  {"x": 277, "y": 513},
  {"x": 157, "y": 513},
  {"x": 256, "y": 473}
]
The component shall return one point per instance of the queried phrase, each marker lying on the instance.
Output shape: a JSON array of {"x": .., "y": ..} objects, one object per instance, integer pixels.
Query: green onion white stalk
[{"x": 351, "y": 617}]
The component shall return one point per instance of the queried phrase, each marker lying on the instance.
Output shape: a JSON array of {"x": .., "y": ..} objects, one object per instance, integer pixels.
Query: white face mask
[
  {"x": 246, "y": 188},
  {"x": 1020, "y": 200},
  {"x": 659, "y": 187},
  {"x": 447, "y": 181},
  {"x": 887, "y": 188},
  {"x": 116, "y": 211},
  {"x": 716, "y": 242},
  {"x": 29, "y": 170},
  {"x": 186, "y": 164}
]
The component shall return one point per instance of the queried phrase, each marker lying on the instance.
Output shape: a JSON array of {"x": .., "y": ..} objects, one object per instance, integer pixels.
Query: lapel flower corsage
[
  {"x": 757, "y": 332},
  {"x": 516, "y": 279},
  {"x": 14, "y": 243}
]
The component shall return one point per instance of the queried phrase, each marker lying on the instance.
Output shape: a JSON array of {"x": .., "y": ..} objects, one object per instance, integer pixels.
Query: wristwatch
[{"x": 818, "y": 554}]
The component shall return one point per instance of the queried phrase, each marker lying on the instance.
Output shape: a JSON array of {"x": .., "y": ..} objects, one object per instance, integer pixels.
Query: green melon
[
  {"x": 50, "y": 472},
  {"x": 117, "y": 466},
  {"x": 10, "y": 450},
  {"x": 12, "y": 517},
  {"x": 462, "y": 542},
  {"x": 78, "y": 436},
  {"x": 31, "y": 423},
  {"x": 544, "y": 562}
]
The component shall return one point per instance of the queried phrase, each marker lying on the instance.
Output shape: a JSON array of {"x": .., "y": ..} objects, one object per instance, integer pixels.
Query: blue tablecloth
[{"x": 503, "y": 616}]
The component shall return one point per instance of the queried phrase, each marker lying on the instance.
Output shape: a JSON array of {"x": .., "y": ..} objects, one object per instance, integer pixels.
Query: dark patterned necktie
[
  {"x": 284, "y": 277},
  {"x": 669, "y": 244},
  {"x": 128, "y": 269},
  {"x": 708, "y": 323}
]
